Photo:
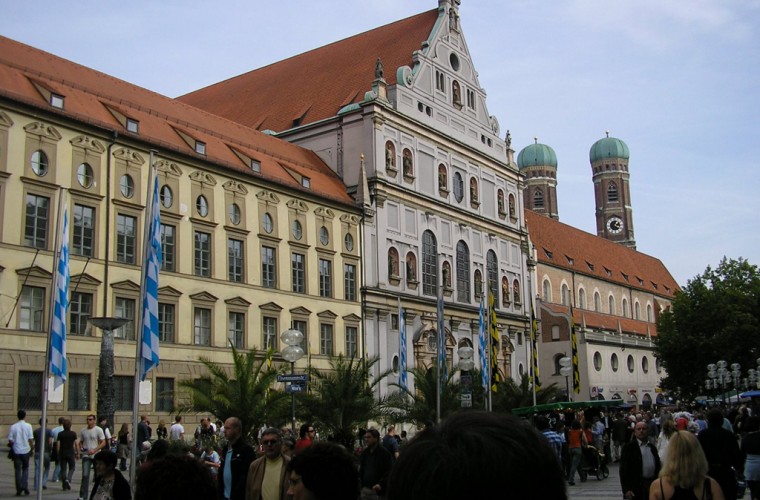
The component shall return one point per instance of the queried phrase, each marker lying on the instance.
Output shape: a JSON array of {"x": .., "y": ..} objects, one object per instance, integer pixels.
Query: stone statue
[
  {"x": 457, "y": 94},
  {"x": 391, "y": 265},
  {"x": 407, "y": 162},
  {"x": 508, "y": 139},
  {"x": 389, "y": 154},
  {"x": 379, "y": 72},
  {"x": 446, "y": 277},
  {"x": 410, "y": 272},
  {"x": 442, "y": 178},
  {"x": 501, "y": 202}
]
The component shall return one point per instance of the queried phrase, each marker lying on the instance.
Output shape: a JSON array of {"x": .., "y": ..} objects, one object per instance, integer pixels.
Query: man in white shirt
[
  {"x": 91, "y": 441},
  {"x": 177, "y": 432},
  {"x": 21, "y": 441}
]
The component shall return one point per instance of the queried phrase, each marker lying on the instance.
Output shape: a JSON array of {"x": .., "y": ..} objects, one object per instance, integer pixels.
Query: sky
[{"x": 677, "y": 80}]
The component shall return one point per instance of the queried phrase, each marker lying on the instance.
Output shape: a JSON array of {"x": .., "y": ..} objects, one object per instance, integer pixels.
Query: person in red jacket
[{"x": 306, "y": 436}]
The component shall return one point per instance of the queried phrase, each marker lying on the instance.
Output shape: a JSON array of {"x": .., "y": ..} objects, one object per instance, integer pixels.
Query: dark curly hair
[
  {"x": 175, "y": 476},
  {"x": 328, "y": 471}
]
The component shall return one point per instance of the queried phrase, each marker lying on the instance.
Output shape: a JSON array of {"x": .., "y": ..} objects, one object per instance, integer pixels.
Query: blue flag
[
  {"x": 60, "y": 309},
  {"x": 402, "y": 346},
  {"x": 150, "y": 300},
  {"x": 442, "y": 342},
  {"x": 482, "y": 345}
]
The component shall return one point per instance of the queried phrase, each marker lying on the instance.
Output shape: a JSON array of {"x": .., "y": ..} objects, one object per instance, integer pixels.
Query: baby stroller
[{"x": 593, "y": 462}]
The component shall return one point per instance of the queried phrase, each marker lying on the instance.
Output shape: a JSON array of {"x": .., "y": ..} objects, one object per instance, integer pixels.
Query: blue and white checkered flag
[
  {"x": 60, "y": 309},
  {"x": 402, "y": 347},
  {"x": 482, "y": 345},
  {"x": 150, "y": 300}
]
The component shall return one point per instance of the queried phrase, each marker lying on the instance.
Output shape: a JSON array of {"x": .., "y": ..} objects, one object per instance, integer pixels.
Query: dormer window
[
  {"x": 256, "y": 166},
  {"x": 133, "y": 126},
  {"x": 200, "y": 147},
  {"x": 306, "y": 182},
  {"x": 56, "y": 101}
]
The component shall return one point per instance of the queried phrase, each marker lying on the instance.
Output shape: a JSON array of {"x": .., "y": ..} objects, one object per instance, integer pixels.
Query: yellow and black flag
[
  {"x": 574, "y": 347},
  {"x": 534, "y": 348},
  {"x": 493, "y": 325}
]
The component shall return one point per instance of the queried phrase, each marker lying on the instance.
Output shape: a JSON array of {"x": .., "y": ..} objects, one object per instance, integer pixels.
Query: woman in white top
[{"x": 668, "y": 429}]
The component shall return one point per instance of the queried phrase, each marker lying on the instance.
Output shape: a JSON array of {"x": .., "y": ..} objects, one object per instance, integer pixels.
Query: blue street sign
[{"x": 293, "y": 377}]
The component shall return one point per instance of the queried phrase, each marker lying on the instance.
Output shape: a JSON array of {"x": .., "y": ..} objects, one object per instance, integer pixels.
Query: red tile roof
[
  {"x": 607, "y": 322},
  {"x": 566, "y": 247},
  {"x": 89, "y": 94},
  {"x": 315, "y": 85}
]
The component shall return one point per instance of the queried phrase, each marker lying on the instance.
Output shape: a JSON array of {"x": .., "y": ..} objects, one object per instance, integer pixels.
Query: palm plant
[
  {"x": 419, "y": 407},
  {"x": 511, "y": 394},
  {"x": 245, "y": 393},
  {"x": 343, "y": 397}
]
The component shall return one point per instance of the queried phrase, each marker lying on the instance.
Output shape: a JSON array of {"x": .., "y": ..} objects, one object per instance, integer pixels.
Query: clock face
[{"x": 614, "y": 225}]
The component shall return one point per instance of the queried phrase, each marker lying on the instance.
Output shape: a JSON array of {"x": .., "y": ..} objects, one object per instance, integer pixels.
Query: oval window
[
  {"x": 629, "y": 361},
  {"x": 235, "y": 214},
  {"x": 84, "y": 175},
  {"x": 268, "y": 223},
  {"x": 349, "y": 242},
  {"x": 324, "y": 235},
  {"x": 39, "y": 163},
  {"x": 201, "y": 205},
  {"x": 614, "y": 363},
  {"x": 166, "y": 196},
  {"x": 597, "y": 361},
  {"x": 297, "y": 230},
  {"x": 127, "y": 186}
]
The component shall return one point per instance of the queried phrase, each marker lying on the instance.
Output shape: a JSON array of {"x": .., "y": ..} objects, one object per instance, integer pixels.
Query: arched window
[
  {"x": 429, "y": 264},
  {"x": 636, "y": 310},
  {"x": 392, "y": 262},
  {"x": 625, "y": 307},
  {"x": 492, "y": 271},
  {"x": 463, "y": 272},
  {"x": 565, "y": 297},
  {"x": 516, "y": 291},
  {"x": 612, "y": 191},
  {"x": 597, "y": 302},
  {"x": 458, "y": 187},
  {"x": 582, "y": 298},
  {"x": 612, "y": 304},
  {"x": 546, "y": 291},
  {"x": 649, "y": 313},
  {"x": 538, "y": 198}
]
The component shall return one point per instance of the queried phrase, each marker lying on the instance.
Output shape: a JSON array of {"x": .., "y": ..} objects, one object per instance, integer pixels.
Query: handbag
[{"x": 11, "y": 455}]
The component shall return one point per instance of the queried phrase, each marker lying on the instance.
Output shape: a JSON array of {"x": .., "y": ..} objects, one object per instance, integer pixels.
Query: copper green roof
[
  {"x": 608, "y": 147},
  {"x": 537, "y": 155}
]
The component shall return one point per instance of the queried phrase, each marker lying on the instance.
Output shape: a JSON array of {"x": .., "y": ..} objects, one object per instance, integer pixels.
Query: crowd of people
[{"x": 664, "y": 456}]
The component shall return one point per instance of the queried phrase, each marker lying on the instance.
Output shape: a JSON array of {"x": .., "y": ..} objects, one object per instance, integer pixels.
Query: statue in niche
[
  {"x": 516, "y": 292},
  {"x": 457, "y": 93},
  {"x": 478, "y": 284},
  {"x": 511, "y": 206},
  {"x": 379, "y": 71},
  {"x": 501, "y": 202},
  {"x": 473, "y": 190},
  {"x": 408, "y": 163},
  {"x": 505, "y": 292},
  {"x": 391, "y": 264},
  {"x": 446, "y": 275},
  {"x": 411, "y": 273},
  {"x": 390, "y": 161},
  {"x": 442, "y": 181}
]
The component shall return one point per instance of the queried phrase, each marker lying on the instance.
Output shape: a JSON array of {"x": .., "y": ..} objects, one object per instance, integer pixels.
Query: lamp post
[
  {"x": 292, "y": 352},
  {"x": 106, "y": 403},
  {"x": 566, "y": 369},
  {"x": 466, "y": 363}
]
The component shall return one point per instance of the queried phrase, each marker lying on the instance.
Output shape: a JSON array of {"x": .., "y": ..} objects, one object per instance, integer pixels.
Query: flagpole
[
  {"x": 46, "y": 372},
  {"x": 147, "y": 240},
  {"x": 489, "y": 400},
  {"x": 438, "y": 362}
]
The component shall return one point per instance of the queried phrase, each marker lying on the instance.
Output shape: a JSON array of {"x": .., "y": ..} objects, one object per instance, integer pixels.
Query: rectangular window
[
  {"x": 79, "y": 391},
  {"x": 80, "y": 310},
  {"x": 165, "y": 322},
  {"x": 440, "y": 82},
  {"x": 29, "y": 390},
  {"x": 270, "y": 333},
  {"x": 202, "y": 326},
  {"x": 125, "y": 308},
  {"x": 268, "y": 267},
  {"x": 123, "y": 388},
  {"x": 301, "y": 327},
  {"x": 352, "y": 334},
  {"x": 298, "y": 271},
  {"x": 236, "y": 329},
  {"x": 470, "y": 99},
  {"x": 200, "y": 147},
  {"x": 56, "y": 101},
  {"x": 31, "y": 308},
  {"x": 325, "y": 278},
  {"x": 126, "y": 238},
  {"x": 165, "y": 394},
  {"x": 235, "y": 260},
  {"x": 326, "y": 339},
  {"x": 133, "y": 125},
  {"x": 202, "y": 254},
  {"x": 83, "y": 231},
  {"x": 349, "y": 281},
  {"x": 168, "y": 247},
  {"x": 36, "y": 226}
]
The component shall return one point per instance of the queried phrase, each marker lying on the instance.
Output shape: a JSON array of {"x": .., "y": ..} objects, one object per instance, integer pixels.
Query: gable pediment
[
  {"x": 168, "y": 291},
  {"x": 168, "y": 168},
  {"x": 270, "y": 306},
  {"x": 83, "y": 279},
  {"x": 327, "y": 315},
  {"x": 204, "y": 296},
  {"x": 35, "y": 272},
  {"x": 352, "y": 318},
  {"x": 126, "y": 285},
  {"x": 300, "y": 310},
  {"x": 237, "y": 301}
]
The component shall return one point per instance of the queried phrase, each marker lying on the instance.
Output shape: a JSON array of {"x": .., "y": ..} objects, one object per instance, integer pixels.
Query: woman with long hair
[
  {"x": 684, "y": 473},
  {"x": 668, "y": 429}
]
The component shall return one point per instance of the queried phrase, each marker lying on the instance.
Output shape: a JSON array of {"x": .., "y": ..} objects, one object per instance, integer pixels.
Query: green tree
[
  {"x": 419, "y": 407},
  {"x": 343, "y": 397},
  {"x": 716, "y": 316},
  {"x": 510, "y": 394},
  {"x": 246, "y": 393}
]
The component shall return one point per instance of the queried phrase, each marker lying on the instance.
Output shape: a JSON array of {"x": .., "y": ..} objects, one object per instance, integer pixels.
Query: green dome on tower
[
  {"x": 537, "y": 155},
  {"x": 609, "y": 147}
]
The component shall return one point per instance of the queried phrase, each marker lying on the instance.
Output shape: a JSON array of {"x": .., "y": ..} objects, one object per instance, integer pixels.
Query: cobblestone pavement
[{"x": 608, "y": 488}]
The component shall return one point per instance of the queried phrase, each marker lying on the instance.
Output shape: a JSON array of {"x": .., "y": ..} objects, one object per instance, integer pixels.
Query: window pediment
[
  {"x": 237, "y": 301},
  {"x": 301, "y": 311},
  {"x": 235, "y": 187},
  {"x": 42, "y": 130},
  {"x": 35, "y": 272},
  {"x": 88, "y": 144},
  {"x": 168, "y": 291},
  {"x": 327, "y": 315},
  {"x": 270, "y": 306},
  {"x": 83, "y": 280},
  {"x": 204, "y": 296},
  {"x": 126, "y": 285}
]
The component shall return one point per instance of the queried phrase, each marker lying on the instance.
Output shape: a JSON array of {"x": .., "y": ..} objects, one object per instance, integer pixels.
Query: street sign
[
  {"x": 294, "y": 388},
  {"x": 293, "y": 377},
  {"x": 466, "y": 400}
]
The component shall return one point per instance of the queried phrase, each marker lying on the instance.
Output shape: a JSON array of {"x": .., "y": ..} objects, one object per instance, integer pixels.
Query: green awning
[{"x": 567, "y": 405}]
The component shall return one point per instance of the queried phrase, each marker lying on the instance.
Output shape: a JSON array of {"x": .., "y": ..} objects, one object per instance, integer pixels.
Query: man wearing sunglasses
[{"x": 267, "y": 476}]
